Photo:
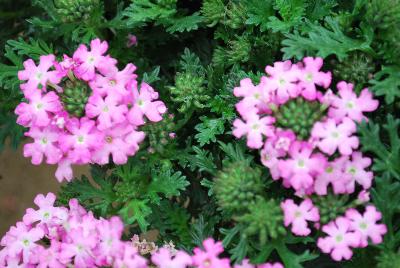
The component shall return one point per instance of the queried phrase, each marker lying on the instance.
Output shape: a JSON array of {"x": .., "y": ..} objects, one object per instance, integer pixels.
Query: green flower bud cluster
[
  {"x": 236, "y": 14},
  {"x": 189, "y": 90},
  {"x": 237, "y": 186},
  {"x": 388, "y": 259},
  {"x": 299, "y": 116},
  {"x": 75, "y": 96},
  {"x": 357, "y": 69},
  {"x": 213, "y": 11},
  {"x": 75, "y": 10},
  {"x": 160, "y": 134},
  {"x": 332, "y": 206},
  {"x": 264, "y": 218}
]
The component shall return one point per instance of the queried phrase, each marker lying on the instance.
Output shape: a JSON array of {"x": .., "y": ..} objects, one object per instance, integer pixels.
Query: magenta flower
[
  {"x": 108, "y": 111},
  {"x": 144, "y": 105},
  {"x": 36, "y": 112},
  {"x": 366, "y": 225},
  {"x": 310, "y": 76},
  {"x": 298, "y": 215},
  {"x": 82, "y": 139},
  {"x": 348, "y": 104},
  {"x": 254, "y": 128},
  {"x": 339, "y": 240},
  {"x": 38, "y": 75},
  {"x": 114, "y": 83},
  {"x": 48, "y": 258},
  {"x": 244, "y": 264},
  {"x": 333, "y": 174},
  {"x": 334, "y": 136},
  {"x": 88, "y": 61},
  {"x": 282, "y": 79},
  {"x": 121, "y": 141},
  {"x": 363, "y": 197},
  {"x": 270, "y": 158},
  {"x": 132, "y": 40},
  {"x": 43, "y": 145},
  {"x": 356, "y": 171},
  {"x": 302, "y": 165},
  {"x": 109, "y": 242},
  {"x": 164, "y": 259},
  {"x": 208, "y": 258}
]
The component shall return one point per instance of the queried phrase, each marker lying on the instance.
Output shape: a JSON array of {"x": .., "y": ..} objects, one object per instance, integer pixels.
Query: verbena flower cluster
[
  {"x": 52, "y": 236},
  {"x": 83, "y": 109},
  {"x": 308, "y": 139}
]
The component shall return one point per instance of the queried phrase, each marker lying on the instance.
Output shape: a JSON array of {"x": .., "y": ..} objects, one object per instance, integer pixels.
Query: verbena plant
[{"x": 199, "y": 84}]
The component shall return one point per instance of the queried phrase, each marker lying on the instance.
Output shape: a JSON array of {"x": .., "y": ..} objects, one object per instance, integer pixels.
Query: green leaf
[
  {"x": 324, "y": 41},
  {"x": 291, "y": 259},
  {"x": 136, "y": 211},
  {"x": 141, "y": 11},
  {"x": 98, "y": 196},
  {"x": 387, "y": 83},
  {"x": 34, "y": 48},
  {"x": 235, "y": 152},
  {"x": 186, "y": 23},
  {"x": 152, "y": 77},
  {"x": 385, "y": 147},
  {"x": 166, "y": 183},
  {"x": 291, "y": 11},
  {"x": 208, "y": 130},
  {"x": 202, "y": 160},
  {"x": 258, "y": 13}
]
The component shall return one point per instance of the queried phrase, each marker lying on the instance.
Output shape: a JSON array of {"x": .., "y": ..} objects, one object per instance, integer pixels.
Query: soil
[{"x": 20, "y": 182}]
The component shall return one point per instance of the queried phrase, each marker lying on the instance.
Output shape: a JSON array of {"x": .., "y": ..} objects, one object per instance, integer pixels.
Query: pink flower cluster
[
  {"x": 59, "y": 237},
  {"x": 328, "y": 159},
  {"x": 116, "y": 107},
  {"x": 344, "y": 233},
  {"x": 307, "y": 166}
]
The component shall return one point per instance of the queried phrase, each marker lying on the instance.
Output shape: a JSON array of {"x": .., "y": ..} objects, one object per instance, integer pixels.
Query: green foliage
[
  {"x": 385, "y": 146},
  {"x": 191, "y": 179},
  {"x": 318, "y": 40},
  {"x": 387, "y": 83}
]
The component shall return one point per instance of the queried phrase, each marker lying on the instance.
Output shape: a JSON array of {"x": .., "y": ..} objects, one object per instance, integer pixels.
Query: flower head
[
  {"x": 298, "y": 215},
  {"x": 310, "y": 76},
  {"x": 164, "y": 259},
  {"x": 208, "y": 258}
]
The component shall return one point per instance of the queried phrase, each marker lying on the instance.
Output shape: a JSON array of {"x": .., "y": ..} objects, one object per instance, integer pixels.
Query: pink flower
[
  {"x": 363, "y": 197},
  {"x": 366, "y": 225},
  {"x": 208, "y": 258},
  {"x": 49, "y": 257},
  {"x": 253, "y": 97},
  {"x": 88, "y": 61},
  {"x": 333, "y": 174},
  {"x": 37, "y": 111},
  {"x": 298, "y": 216},
  {"x": 38, "y": 75},
  {"x": 254, "y": 128},
  {"x": 144, "y": 105},
  {"x": 163, "y": 259},
  {"x": 356, "y": 171},
  {"x": 79, "y": 248},
  {"x": 64, "y": 170},
  {"x": 132, "y": 40},
  {"x": 22, "y": 240},
  {"x": 283, "y": 140},
  {"x": 349, "y": 105},
  {"x": 121, "y": 141},
  {"x": 47, "y": 213},
  {"x": 269, "y": 158},
  {"x": 302, "y": 165},
  {"x": 334, "y": 136},
  {"x": 114, "y": 83},
  {"x": 108, "y": 111},
  {"x": 310, "y": 76},
  {"x": 339, "y": 240},
  {"x": 130, "y": 258},
  {"x": 44, "y": 144},
  {"x": 82, "y": 140},
  {"x": 245, "y": 264},
  {"x": 270, "y": 265},
  {"x": 109, "y": 242},
  {"x": 282, "y": 79}
]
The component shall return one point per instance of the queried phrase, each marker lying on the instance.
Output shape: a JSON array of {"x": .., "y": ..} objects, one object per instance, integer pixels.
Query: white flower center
[
  {"x": 350, "y": 105},
  {"x": 309, "y": 77},
  {"x": 80, "y": 139}
]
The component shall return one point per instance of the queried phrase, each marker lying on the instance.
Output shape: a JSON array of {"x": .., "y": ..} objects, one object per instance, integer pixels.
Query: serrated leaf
[
  {"x": 208, "y": 130},
  {"x": 152, "y": 77},
  {"x": 186, "y": 23},
  {"x": 166, "y": 183},
  {"x": 136, "y": 211},
  {"x": 141, "y": 11},
  {"x": 387, "y": 83},
  {"x": 34, "y": 48},
  {"x": 324, "y": 41}
]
